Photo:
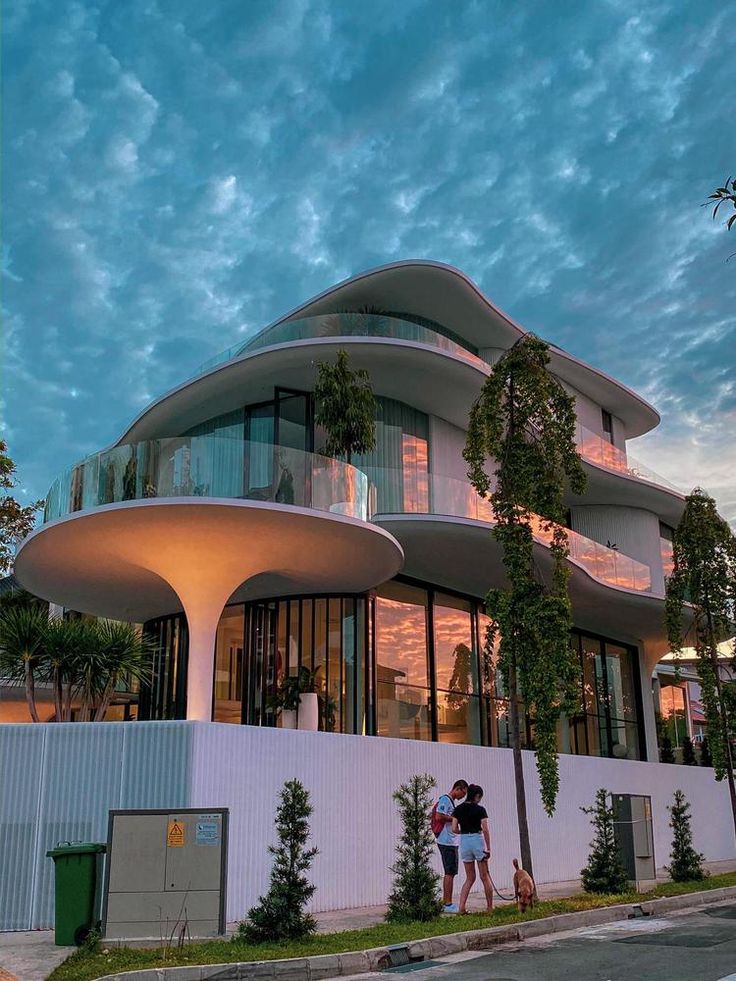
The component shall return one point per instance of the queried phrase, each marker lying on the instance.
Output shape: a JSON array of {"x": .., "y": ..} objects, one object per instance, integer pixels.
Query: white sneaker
[{"x": 451, "y": 908}]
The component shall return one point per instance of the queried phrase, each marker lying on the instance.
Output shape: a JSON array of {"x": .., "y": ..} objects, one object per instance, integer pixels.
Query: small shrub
[
  {"x": 666, "y": 753},
  {"x": 688, "y": 752},
  {"x": 686, "y": 864},
  {"x": 415, "y": 891},
  {"x": 705, "y": 758},
  {"x": 604, "y": 872},
  {"x": 281, "y": 913}
]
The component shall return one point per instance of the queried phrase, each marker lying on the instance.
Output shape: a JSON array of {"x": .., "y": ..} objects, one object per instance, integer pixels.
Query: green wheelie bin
[{"x": 75, "y": 866}]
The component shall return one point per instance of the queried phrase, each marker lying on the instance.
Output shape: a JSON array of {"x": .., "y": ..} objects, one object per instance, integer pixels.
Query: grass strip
[{"x": 87, "y": 965}]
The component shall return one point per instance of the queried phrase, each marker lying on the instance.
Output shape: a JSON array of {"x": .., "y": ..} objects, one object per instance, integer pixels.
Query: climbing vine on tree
[
  {"x": 521, "y": 454},
  {"x": 703, "y": 588}
]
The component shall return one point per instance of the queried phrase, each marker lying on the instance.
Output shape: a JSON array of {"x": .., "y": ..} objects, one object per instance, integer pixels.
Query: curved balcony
[
  {"x": 209, "y": 467},
  {"x": 347, "y": 325},
  {"x": 597, "y": 450},
  {"x": 426, "y": 493}
]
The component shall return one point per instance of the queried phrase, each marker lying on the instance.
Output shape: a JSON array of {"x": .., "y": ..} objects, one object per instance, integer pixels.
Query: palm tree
[
  {"x": 123, "y": 655},
  {"x": 22, "y": 639},
  {"x": 68, "y": 643}
]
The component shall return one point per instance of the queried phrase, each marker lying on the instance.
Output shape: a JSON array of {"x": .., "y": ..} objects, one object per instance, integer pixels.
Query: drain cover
[{"x": 413, "y": 966}]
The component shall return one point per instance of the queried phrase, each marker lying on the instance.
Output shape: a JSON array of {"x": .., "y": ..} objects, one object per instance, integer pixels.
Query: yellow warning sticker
[{"x": 175, "y": 834}]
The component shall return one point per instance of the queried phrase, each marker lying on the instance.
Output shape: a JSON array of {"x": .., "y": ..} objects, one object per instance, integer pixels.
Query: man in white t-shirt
[{"x": 447, "y": 842}]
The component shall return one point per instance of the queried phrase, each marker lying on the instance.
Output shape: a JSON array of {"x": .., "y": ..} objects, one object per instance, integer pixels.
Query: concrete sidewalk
[{"x": 31, "y": 956}]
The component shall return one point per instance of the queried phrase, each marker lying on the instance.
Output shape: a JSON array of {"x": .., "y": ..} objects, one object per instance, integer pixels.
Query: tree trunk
[
  {"x": 68, "y": 703},
  {"x": 58, "y": 695},
  {"x": 30, "y": 691},
  {"x": 523, "y": 821},
  {"x": 104, "y": 705}
]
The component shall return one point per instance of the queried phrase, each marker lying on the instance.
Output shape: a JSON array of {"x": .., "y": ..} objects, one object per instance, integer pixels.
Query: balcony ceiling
[
  {"x": 612, "y": 487},
  {"x": 121, "y": 560},
  {"x": 427, "y": 378},
  {"x": 462, "y": 555}
]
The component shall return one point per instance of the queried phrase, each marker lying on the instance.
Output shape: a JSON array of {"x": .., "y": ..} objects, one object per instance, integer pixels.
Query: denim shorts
[{"x": 472, "y": 848}]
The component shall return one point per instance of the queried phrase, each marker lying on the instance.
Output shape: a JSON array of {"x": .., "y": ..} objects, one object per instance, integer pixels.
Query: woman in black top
[{"x": 470, "y": 821}]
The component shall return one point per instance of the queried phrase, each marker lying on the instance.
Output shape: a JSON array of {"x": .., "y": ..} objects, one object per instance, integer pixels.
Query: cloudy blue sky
[{"x": 177, "y": 173}]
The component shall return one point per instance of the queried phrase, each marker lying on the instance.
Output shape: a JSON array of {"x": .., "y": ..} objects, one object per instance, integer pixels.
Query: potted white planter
[
  {"x": 288, "y": 718},
  {"x": 308, "y": 711}
]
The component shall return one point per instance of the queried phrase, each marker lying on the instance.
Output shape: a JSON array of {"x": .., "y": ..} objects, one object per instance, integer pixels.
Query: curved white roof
[
  {"x": 440, "y": 292},
  {"x": 422, "y": 288}
]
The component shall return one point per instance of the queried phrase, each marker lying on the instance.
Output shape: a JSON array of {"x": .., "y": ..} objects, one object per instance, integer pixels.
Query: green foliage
[
  {"x": 666, "y": 753},
  {"x": 521, "y": 453},
  {"x": 604, "y": 872},
  {"x": 85, "y": 661},
  {"x": 85, "y": 966},
  {"x": 414, "y": 895},
  {"x": 16, "y": 521},
  {"x": 688, "y": 752},
  {"x": 345, "y": 407},
  {"x": 703, "y": 581},
  {"x": 725, "y": 195},
  {"x": 288, "y": 692},
  {"x": 705, "y": 758},
  {"x": 281, "y": 913},
  {"x": 686, "y": 864}
]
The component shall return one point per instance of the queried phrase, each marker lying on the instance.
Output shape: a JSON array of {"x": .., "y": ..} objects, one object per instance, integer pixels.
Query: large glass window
[
  {"x": 259, "y": 644},
  {"x": 229, "y": 665},
  {"x": 456, "y": 671},
  {"x": 667, "y": 549},
  {"x": 402, "y": 669},
  {"x": 609, "y": 725},
  {"x": 164, "y": 695}
]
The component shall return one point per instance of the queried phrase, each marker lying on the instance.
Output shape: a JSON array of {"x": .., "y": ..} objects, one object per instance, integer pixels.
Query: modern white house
[{"x": 216, "y": 522}]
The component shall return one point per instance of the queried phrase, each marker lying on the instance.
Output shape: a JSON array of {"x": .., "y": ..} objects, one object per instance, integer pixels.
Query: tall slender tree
[
  {"x": 521, "y": 454},
  {"x": 345, "y": 407},
  {"x": 703, "y": 587}
]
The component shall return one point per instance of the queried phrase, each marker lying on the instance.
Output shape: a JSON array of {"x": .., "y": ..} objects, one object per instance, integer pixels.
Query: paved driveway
[{"x": 694, "y": 946}]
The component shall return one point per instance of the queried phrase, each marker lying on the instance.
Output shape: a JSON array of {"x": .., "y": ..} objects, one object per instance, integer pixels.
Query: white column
[
  {"x": 203, "y": 601},
  {"x": 202, "y": 620}
]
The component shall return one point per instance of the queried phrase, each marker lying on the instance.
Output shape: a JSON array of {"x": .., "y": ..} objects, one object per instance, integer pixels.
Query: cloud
[{"x": 172, "y": 188}]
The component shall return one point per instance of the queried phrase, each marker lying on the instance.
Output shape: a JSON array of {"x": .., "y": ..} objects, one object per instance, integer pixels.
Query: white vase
[
  {"x": 288, "y": 718},
  {"x": 308, "y": 711}
]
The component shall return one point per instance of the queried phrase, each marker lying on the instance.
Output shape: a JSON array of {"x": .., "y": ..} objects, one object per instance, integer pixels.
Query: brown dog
[{"x": 523, "y": 889}]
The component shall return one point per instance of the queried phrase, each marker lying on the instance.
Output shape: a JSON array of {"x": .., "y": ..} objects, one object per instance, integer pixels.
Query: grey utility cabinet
[
  {"x": 635, "y": 836},
  {"x": 166, "y": 874}
]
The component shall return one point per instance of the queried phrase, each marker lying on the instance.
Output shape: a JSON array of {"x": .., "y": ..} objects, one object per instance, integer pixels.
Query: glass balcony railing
[
  {"x": 210, "y": 466},
  {"x": 396, "y": 492},
  {"x": 346, "y": 325},
  {"x": 595, "y": 449}
]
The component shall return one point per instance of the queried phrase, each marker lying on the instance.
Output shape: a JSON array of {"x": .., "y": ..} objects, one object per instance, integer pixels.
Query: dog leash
[{"x": 506, "y": 899}]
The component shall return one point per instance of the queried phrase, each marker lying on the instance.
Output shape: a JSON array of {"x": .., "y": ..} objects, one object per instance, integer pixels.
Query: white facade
[
  {"x": 215, "y": 507},
  {"x": 59, "y": 781}
]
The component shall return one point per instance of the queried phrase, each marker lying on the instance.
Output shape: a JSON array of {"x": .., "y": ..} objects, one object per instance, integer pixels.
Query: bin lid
[{"x": 76, "y": 848}]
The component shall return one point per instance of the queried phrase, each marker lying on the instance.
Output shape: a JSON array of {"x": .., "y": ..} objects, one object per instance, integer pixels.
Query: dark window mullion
[{"x": 429, "y": 630}]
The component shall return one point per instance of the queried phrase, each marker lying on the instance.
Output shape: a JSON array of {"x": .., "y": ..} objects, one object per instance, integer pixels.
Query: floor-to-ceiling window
[
  {"x": 456, "y": 671},
  {"x": 402, "y": 662},
  {"x": 407, "y": 662},
  {"x": 229, "y": 666},
  {"x": 164, "y": 693},
  {"x": 325, "y": 634}
]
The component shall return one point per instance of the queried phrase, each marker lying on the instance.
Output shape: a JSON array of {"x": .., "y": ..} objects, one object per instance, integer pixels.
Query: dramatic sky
[{"x": 177, "y": 173}]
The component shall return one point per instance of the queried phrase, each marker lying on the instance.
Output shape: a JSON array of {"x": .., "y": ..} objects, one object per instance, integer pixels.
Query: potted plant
[{"x": 296, "y": 701}]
